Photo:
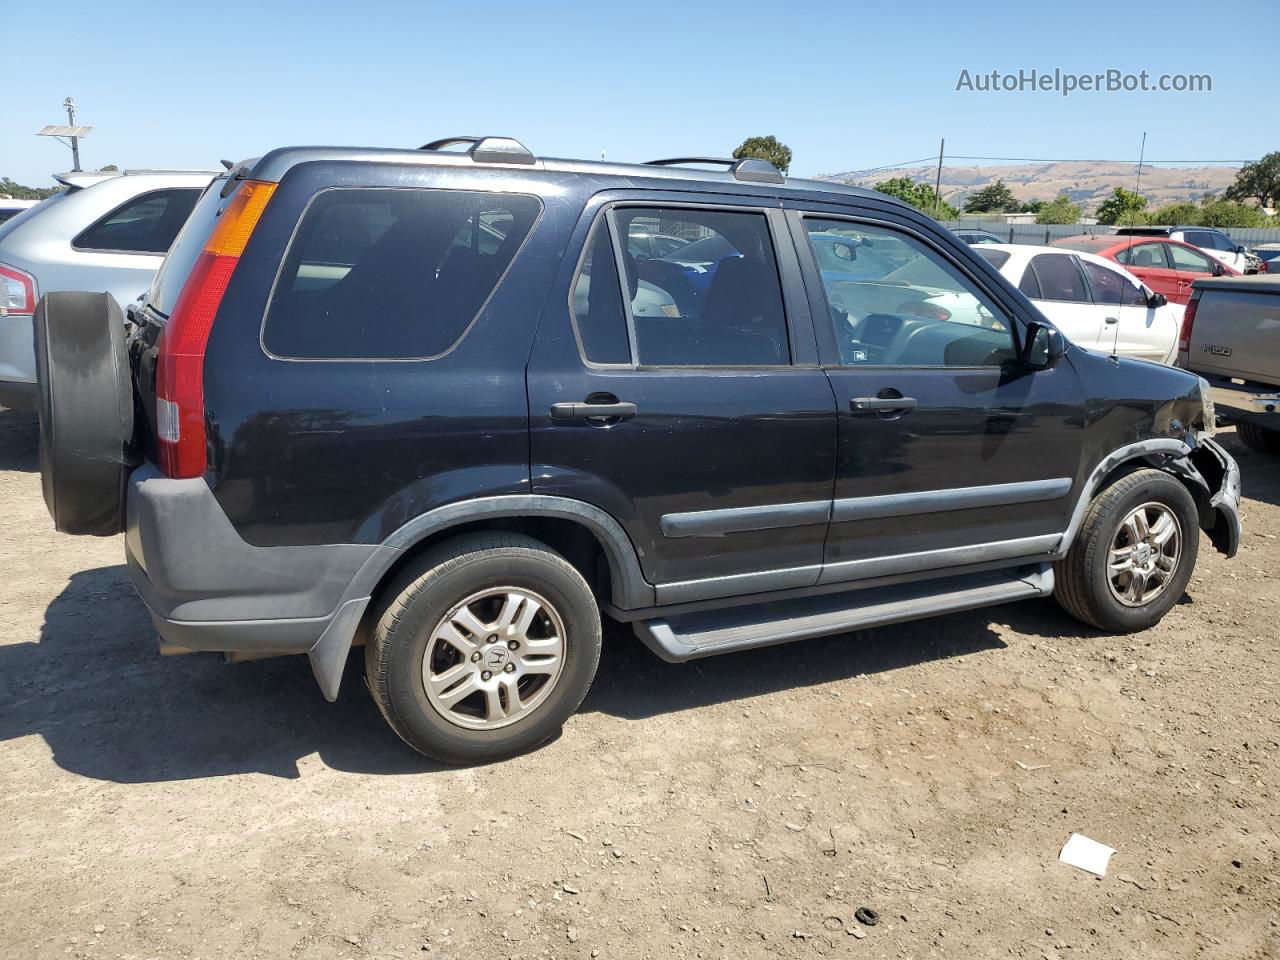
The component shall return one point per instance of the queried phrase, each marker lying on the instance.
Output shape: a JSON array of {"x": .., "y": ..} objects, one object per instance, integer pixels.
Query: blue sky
[{"x": 846, "y": 85}]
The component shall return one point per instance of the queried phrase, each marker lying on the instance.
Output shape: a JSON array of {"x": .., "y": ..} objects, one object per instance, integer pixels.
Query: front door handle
[
  {"x": 592, "y": 411},
  {"x": 1112, "y": 320},
  {"x": 870, "y": 404}
]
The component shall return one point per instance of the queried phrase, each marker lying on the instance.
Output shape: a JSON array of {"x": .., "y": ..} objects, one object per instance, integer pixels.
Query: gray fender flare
[
  {"x": 630, "y": 589},
  {"x": 1160, "y": 446}
]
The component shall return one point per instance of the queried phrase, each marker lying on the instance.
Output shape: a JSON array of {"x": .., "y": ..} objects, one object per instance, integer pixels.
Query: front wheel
[
  {"x": 484, "y": 648},
  {"x": 1133, "y": 556}
]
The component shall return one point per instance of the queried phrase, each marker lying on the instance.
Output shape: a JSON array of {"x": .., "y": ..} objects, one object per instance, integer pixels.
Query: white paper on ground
[{"x": 1080, "y": 851}]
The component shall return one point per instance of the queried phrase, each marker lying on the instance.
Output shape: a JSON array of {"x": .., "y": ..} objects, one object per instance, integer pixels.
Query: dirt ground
[{"x": 743, "y": 806}]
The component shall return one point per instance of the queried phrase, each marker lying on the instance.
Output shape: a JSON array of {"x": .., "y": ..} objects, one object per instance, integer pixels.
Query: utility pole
[
  {"x": 937, "y": 185},
  {"x": 75, "y": 141}
]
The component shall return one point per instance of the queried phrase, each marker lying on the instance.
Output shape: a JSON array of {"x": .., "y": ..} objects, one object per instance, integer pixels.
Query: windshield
[{"x": 173, "y": 271}]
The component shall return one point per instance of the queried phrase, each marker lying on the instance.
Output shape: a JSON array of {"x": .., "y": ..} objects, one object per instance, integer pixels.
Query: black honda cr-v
[{"x": 456, "y": 404}]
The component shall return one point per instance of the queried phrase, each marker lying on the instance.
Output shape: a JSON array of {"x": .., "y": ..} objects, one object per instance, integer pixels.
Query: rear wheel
[
  {"x": 484, "y": 648},
  {"x": 1133, "y": 556},
  {"x": 84, "y": 399},
  {"x": 1261, "y": 439}
]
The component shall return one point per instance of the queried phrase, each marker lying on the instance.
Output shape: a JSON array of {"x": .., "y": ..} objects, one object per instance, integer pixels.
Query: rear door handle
[
  {"x": 1111, "y": 320},
  {"x": 868, "y": 404},
  {"x": 591, "y": 411}
]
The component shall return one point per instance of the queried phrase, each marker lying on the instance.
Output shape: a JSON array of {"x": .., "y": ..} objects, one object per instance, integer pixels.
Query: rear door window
[
  {"x": 714, "y": 301},
  {"x": 392, "y": 274},
  {"x": 1143, "y": 255},
  {"x": 1112, "y": 288},
  {"x": 145, "y": 224},
  {"x": 1059, "y": 277}
]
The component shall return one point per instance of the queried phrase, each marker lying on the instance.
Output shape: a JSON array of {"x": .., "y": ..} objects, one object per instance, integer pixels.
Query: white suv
[
  {"x": 1213, "y": 242},
  {"x": 104, "y": 231}
]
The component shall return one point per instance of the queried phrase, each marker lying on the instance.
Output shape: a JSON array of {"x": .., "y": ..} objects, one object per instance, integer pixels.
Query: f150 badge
[{"x": 1216, "y": 351}]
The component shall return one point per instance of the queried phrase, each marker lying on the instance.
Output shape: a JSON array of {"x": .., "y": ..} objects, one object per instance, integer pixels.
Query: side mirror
[
  {"x": 1043, "y": 346},
  {"x": 1240, "y": 248},
  {"x": 1218, "y": 270},
  {"x": 1156, "y": 299}
]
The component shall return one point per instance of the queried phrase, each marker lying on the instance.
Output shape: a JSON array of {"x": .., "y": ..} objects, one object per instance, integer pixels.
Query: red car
[{"x": 1166, "y": 266}]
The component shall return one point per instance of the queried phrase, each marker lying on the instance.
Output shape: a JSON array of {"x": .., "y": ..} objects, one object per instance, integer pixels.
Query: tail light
[
  {"x": 1188, "y": 321},
  {"x": 180, "y": 360},
  {"x": 17, "y": 292}
]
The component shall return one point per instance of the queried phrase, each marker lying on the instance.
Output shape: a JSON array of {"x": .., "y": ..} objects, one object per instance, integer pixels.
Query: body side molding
[
  {"x": 955, "y": 498},
  {"x": 714, "y": 523}
]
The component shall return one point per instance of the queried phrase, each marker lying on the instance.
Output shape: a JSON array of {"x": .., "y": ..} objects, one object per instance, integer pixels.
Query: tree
[
  {"x": 919, "y": 195},
  {"x": 1228, "y": 213},
  {"x": 1033, "y": 206},
  {"x": 1123, "y": 207},
  {"x": 1060, "y": 210},
  {"x": 109, "y": 168},
  {"x": 993, "y": 198},
  {"x": 1258, "y": 181},
  {"x": 765, "y": 148},
  {"x": 1172, "y": 214},
  {"x": 18, "y": 192}
]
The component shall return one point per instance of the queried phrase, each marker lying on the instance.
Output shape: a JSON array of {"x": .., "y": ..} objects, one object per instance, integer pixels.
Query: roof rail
[
  {"x": 751, "y": 169},
  {"x": 487, "y": 149}
]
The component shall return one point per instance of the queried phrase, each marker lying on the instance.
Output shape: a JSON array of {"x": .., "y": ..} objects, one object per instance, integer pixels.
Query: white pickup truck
[{"x": 1231, "y": 337}]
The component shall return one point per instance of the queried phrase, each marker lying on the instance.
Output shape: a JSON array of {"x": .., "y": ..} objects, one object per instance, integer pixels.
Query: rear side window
[
  {"x": 392, "y": 274},
  {"x": 1059, "y": 277},
  {"x": 146, "y": 224},
  {"x": 1112, "y": 288},
  {"x": 713, "y": 301}
]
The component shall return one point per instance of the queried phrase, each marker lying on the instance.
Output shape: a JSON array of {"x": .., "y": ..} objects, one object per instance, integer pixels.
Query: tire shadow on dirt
[
  {"x": 19, "y": 440},
  {"x": 110, "y": 708}
]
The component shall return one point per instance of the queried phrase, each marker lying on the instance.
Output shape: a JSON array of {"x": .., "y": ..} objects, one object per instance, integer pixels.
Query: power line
[{"x": 954, "y": 156}]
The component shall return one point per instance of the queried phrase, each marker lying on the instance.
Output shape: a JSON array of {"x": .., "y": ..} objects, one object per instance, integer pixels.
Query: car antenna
[{"x": 1137, "y": 187}]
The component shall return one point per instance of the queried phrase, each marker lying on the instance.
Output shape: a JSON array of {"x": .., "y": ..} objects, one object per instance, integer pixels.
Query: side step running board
[{"x": 704, "y": 634}]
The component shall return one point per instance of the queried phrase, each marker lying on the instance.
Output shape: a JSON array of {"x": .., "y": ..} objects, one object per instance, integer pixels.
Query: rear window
[
  {"x": 997, "y": 258},
  {"x": 145, "y": 224},
  {"x": 392, "y": 274}
]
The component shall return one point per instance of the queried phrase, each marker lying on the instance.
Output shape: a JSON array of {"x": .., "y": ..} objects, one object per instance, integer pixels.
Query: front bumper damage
[{"x": 1213, "y": 476}]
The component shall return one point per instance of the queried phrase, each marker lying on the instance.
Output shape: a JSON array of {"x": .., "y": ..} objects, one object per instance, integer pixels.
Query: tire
[
  {"x": 422, "y": 613},
  {"x": 1083, "y": 583},
  {"x": 84, "y": 399},
  {"x": 1261, "y": 439}
]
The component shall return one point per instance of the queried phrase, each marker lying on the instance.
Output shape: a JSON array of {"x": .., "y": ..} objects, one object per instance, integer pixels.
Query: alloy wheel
[
  {"x": 1144, "y": 554},
  {"x": 494, "y": 658}
]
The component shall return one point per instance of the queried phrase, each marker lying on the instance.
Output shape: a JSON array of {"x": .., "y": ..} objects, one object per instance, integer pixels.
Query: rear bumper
[
  {"x": 1242, "y": 401},
  {"x": 17, "y": 350},
  {"x": 207, "y": 589}
]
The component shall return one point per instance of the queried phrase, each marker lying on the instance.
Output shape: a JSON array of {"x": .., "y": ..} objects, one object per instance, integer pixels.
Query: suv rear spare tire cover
[{"x": 84, "y": 399}]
